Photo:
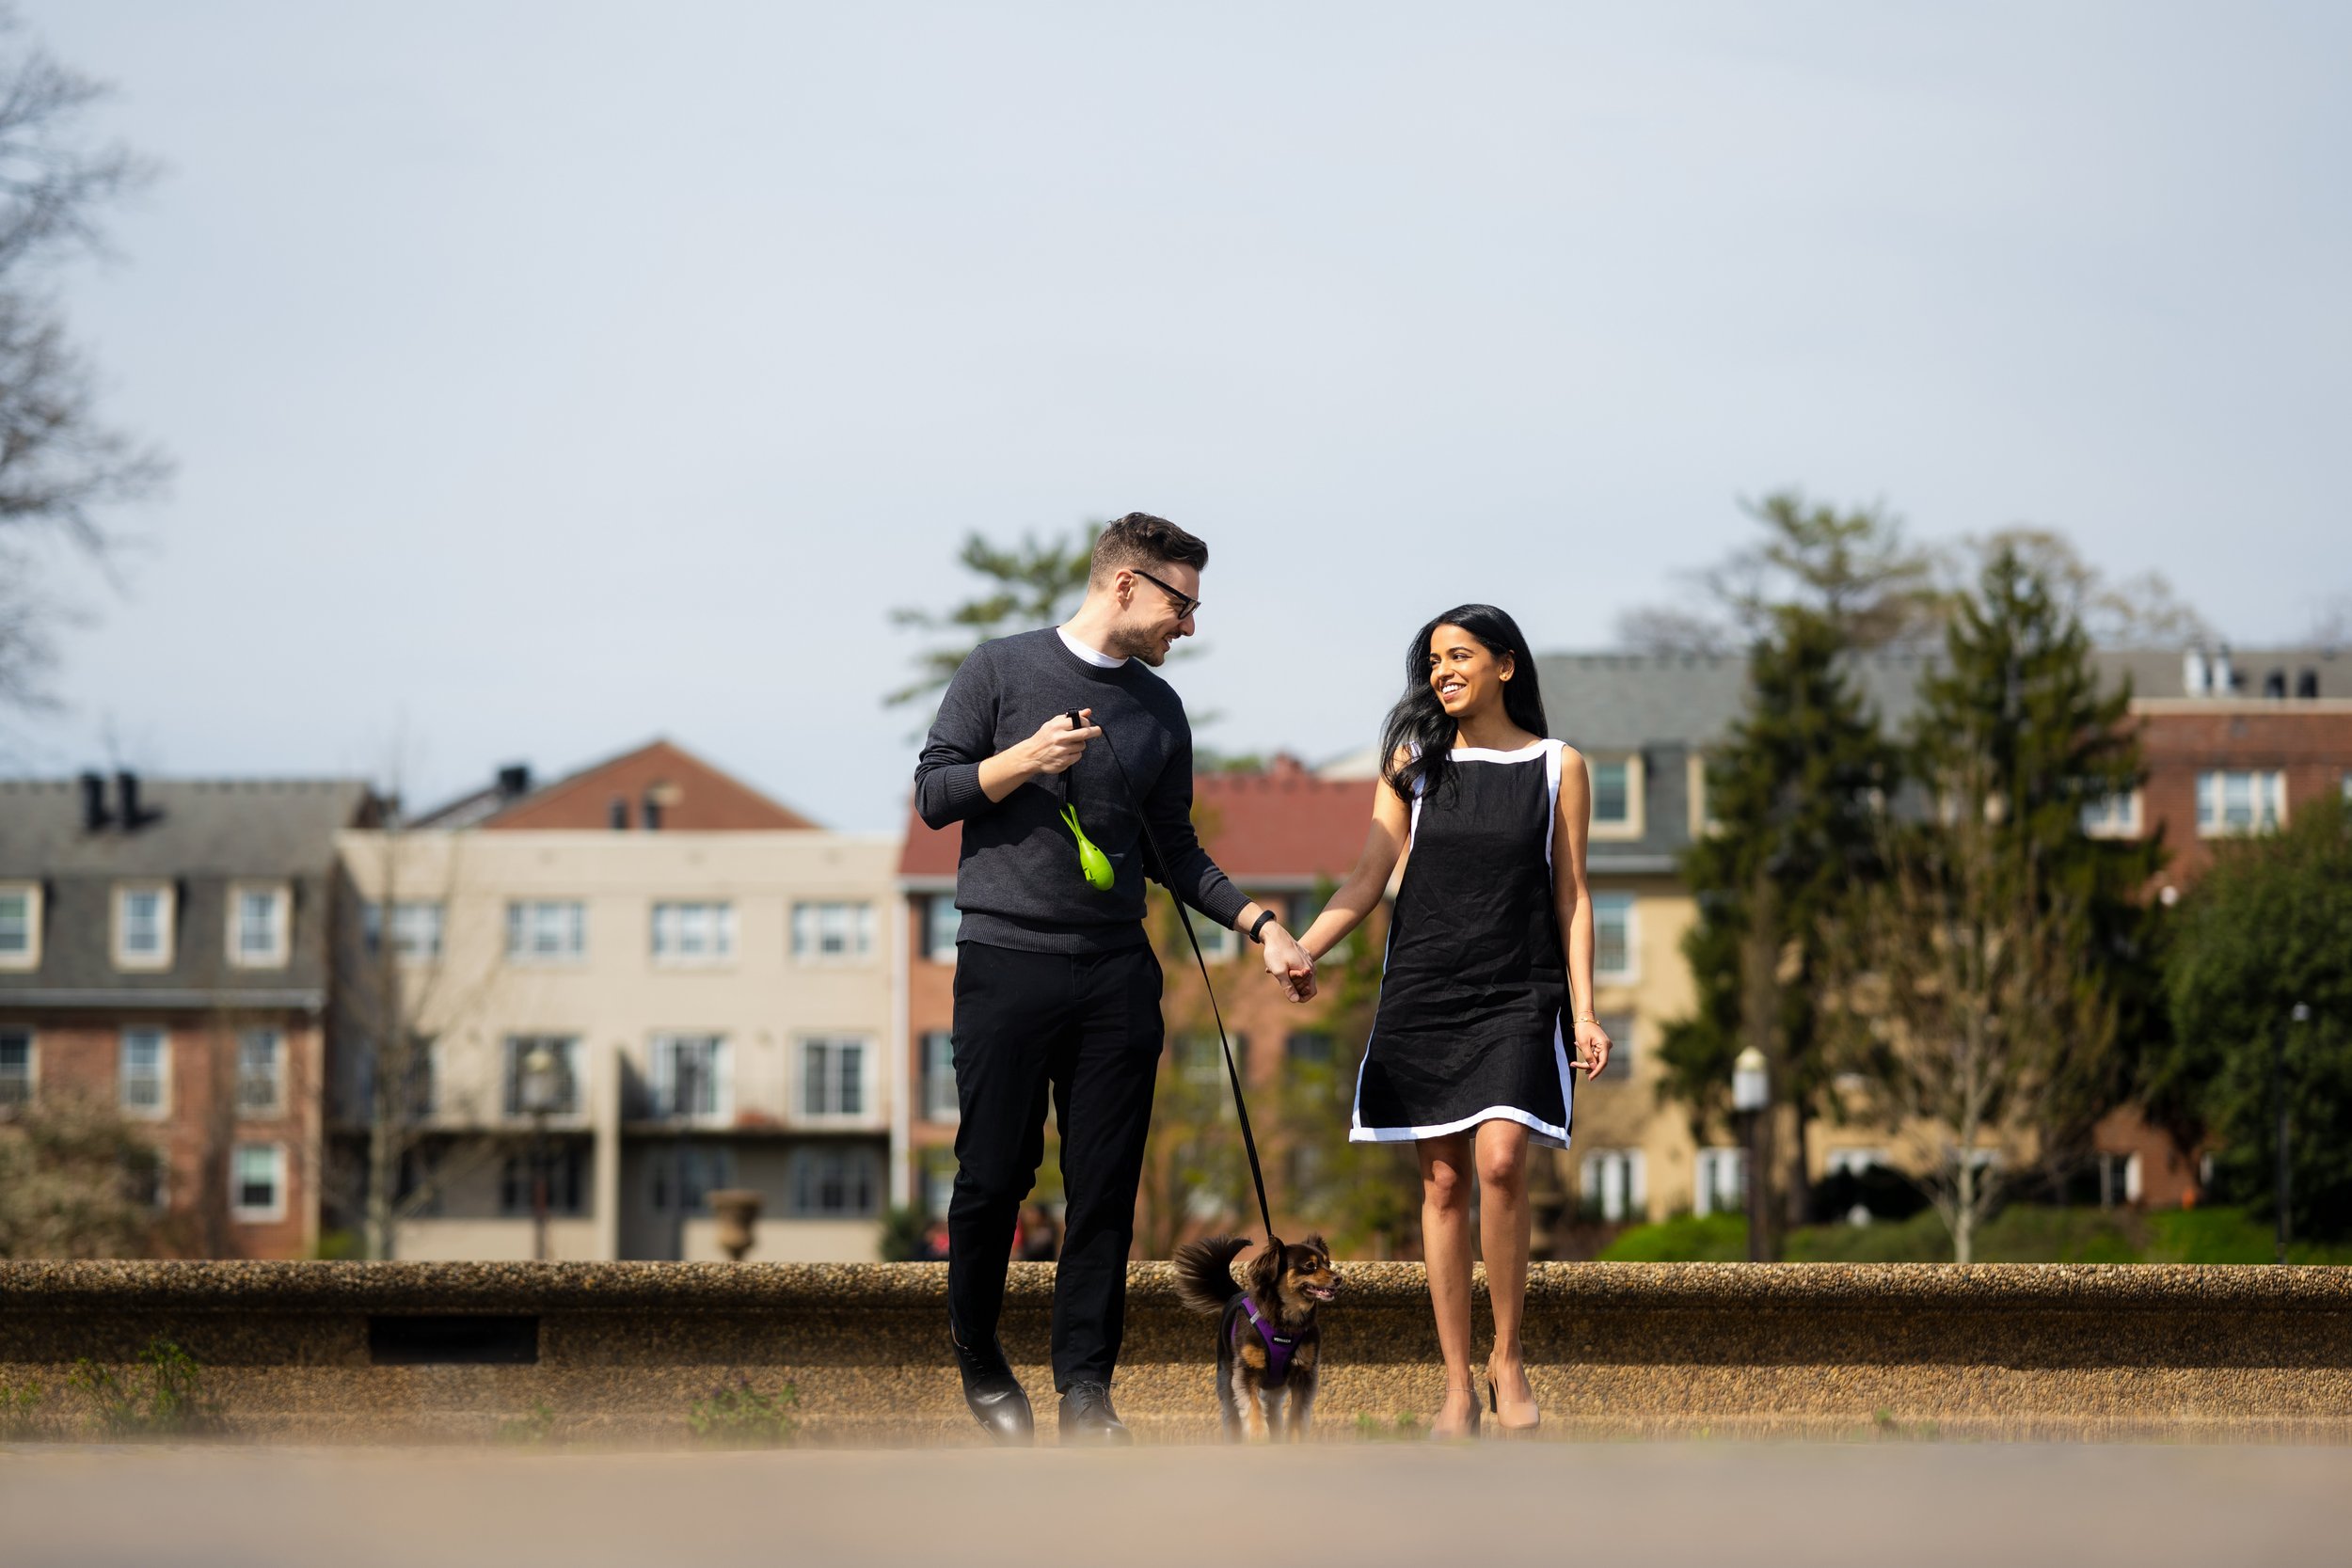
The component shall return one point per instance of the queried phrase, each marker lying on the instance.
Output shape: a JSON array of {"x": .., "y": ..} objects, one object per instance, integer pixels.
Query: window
[
  {"x": 833, "y": 1078},
  {"x": 145, "y": 1079},
  {"x": 2347, "y": 787},
  {"x": 257, "y": 1183},
  {"x": 566, "y": 1053},
  {"x": 1218, "y": 943},
  {"x": 835, "y": 1183},
  {"x": 416, "y": 928},
  {"x": 147, "y": 1179},
  {"x": 19, "y": 924},
  {"x": 942, "y": 921},
  {"x": 261, "y": 1072},
  {"x": 690, "y": 1076},
  {"x": 1612, "y": 1186},
  {"x": 2240, "y": 803},
  {"x": 565, "y": 1171},
  {"x": 2113, "y": 816},
  {"x": 1722, "y": 1184},
  {"x": 1613, "y": 936},
  {"x": 693, "y": 933},
  {"x": 1854, "y": 1162},
  {"x": 1616, "y": 796},
  {"x": 258, "y": 919},
  {"x": 939, "y": 1182},
  {"x": 939, "y": 1077},
  {"x": 1619, "y": 1027},
  {"x": 16, "y": 1068},
  {"x": 701, "y": 1171},
  {"x": 417, "y": 1070},
  {"x": 548, "y": 931},
  {"x": 1200, "y": 1060},
  {"x": 1309, "y": 1048},
  {"x": 1703, "y": 818},
  {"x": 832, "y": 931},
  {"x": 143, "y": 927}
]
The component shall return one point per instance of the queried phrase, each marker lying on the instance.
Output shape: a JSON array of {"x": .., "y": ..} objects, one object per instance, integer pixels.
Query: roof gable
[{"x": 693, "y": 797}]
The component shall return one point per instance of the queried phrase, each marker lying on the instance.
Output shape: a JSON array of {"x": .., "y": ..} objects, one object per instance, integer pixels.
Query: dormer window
[
  {"x": 143, "y": 926},
  {"x": 259, "y": 917},
  {"x": 19, "y": 924}
]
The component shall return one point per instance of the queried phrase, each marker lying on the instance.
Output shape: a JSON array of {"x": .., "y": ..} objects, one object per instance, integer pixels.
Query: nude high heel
[
  {"x": 1494, "y": 1406},
  {"x": 1469, "y": 1428}
]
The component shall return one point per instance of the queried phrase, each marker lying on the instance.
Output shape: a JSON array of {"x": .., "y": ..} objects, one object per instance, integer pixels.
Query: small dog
[{"x": 1268, "y": 1349}]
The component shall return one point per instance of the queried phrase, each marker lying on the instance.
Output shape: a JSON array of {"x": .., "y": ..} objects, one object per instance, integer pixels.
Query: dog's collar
[{"x": 1278, "y": 1346}]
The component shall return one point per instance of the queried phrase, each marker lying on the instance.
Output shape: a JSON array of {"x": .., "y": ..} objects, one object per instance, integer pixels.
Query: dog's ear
[
  {"x": 1317, "y": 1244},
  {"x": 1265, "y": 1270}
]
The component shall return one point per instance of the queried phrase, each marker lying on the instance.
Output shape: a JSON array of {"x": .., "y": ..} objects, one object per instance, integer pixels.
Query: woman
[{"x": 1490, "y": 941}]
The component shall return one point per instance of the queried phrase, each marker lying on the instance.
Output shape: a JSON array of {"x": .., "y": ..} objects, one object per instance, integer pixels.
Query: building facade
[
  {"x": 697, "y": 981},
  {"x": 164, "y": 954}
]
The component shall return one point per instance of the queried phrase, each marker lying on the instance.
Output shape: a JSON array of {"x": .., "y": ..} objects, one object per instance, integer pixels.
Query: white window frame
[
  {"x": 718, "y": 1073},
  {"x": 711, "y": 920},
  {"x": 945, "y": 1110},
  {"x": 1719, "y": 1179},
  {"x": 166, "y": 920},
  {"x": 280, "y": 896},
  {"x": 276, "y": 1106},
  {"x": 32, "y": 1063},
  {"x": 867, "y": 1109},
  {"x": 1630, "y": 1198},
  {"x": 162, "y": 1108},
  {"x": 28, "y": 957},
  {"x": 2113, "y": 817},
  {"x": 1854, "y": 1161},
  {"x": 861, "y": 1166},
  {"x": 809, "y": 936},
  {"x": 1218, "y": 943},
  {"x": 1631, "y": 971},
  {"x": 1703, "y": 820},
  {"x": 247, "y": 1214},
  {"x": 2212, "y": 787},
  {"x": 523, "y": 917},
  {"x": 1636, "y": 796},
  {"x": 933, "y": 949},
  {"x": 406, "y": 914}
]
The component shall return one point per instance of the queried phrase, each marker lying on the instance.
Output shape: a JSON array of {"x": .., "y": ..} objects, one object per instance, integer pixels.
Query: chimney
[
  {"x": 616, "y": 815},
  {"x": 127, "y": 791},
  {"x": 2224, "y": 678},
  {"x": 2193, "y": 673},
  {"x": 95, "y": 817},
  {"x": 514, "y": 781},
  {"x": 2275, "y": 685},
  {"x": 2307, "y": 684}
]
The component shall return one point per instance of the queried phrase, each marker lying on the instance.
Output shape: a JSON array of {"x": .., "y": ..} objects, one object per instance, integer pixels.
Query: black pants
[{"x": 1087, "y": 1028}]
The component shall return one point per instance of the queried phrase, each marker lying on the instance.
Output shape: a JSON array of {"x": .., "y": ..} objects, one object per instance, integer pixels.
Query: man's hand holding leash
[{"x": 1055, "y": 748}]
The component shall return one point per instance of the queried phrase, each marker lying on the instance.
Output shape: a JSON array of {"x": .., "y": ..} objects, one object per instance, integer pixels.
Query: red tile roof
[{"x": 1284, "y": 823}]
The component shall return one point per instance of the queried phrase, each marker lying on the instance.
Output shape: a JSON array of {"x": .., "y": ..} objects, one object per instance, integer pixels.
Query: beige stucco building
[{"x": 714, "y": 1004}]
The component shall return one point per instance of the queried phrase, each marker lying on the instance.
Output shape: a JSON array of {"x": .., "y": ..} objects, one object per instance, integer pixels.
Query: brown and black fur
[{"x": 1287, "y": 1283}]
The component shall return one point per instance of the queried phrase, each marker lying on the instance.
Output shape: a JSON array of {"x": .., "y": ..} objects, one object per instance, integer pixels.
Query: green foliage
[
  {"x": 1794, "y": 793},
  {"x": 736, "y": 1415},
  {"x": 903, "y": 1229},
  {"x": 1852, "y": 570},
  {"x": 64, "y": 1160},
  {"x": 1405, "y": 1427},
  {"x": 2227, "y": 1234},
  {"x": 533, "y": 1428},
  {"x": 162, "y": 1395},
  {"x": 20, "y": 1411},
  {"x": 2269, "y": 926},
  {"x": 1683, "y": 1239},
  {"x": 1036, "y": 583},
  {"x": 2021, "y": 1233}
]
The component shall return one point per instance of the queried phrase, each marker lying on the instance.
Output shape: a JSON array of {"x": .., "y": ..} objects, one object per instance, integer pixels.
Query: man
[{"x": 1056, "y": 987}]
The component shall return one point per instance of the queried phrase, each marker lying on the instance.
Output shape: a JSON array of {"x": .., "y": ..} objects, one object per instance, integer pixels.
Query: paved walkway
[{"x": 1336, "y": 1505}]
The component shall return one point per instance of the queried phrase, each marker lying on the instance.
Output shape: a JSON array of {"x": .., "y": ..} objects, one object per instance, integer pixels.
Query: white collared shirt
[{"x": 1100, "y": 661}]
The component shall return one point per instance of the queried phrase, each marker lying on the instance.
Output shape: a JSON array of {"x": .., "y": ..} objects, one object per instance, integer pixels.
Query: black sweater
[{"x": 1018, "y": 883}]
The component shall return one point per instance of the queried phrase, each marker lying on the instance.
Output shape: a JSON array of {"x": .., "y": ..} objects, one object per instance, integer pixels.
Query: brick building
[{"x": 164, "y": 948}]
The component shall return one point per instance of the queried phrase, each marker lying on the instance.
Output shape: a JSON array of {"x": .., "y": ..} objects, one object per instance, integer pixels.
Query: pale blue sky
[{"x": 547, "y": 376}]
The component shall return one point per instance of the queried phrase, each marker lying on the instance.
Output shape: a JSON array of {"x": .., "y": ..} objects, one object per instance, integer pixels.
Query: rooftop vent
[
  {"x": 514, "y": 781},
  {"x": 95, "y": 817}
]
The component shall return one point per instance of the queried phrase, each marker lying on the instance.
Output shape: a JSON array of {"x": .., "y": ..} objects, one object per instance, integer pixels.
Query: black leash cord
[{"x": 1233, "y": 1073}]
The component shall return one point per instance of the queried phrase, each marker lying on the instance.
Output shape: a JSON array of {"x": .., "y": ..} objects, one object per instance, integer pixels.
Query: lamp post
[
  {"x": 1750, "y": 1091},
  {"x": 2301, "y": 1017},
  {"x": 542, "y": 1092}
]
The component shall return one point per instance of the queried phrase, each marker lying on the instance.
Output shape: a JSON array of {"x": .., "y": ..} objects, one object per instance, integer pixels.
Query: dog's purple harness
[{"x": 1278, "y": 1347}]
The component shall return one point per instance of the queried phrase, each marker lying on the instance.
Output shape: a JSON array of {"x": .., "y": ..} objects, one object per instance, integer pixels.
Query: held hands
[
  {"x": 1593, "y": 1046},
  {"x": 1288, "y": 964}
]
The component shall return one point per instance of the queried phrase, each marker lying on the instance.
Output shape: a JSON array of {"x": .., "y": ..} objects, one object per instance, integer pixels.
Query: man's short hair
[{"x": 1139, "y": 539}]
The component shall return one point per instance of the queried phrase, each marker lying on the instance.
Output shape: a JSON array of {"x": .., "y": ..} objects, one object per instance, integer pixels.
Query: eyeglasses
[{"x": 1186, "y": 603}]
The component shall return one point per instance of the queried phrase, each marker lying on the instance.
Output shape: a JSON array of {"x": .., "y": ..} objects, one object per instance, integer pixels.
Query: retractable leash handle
[{"x": 1233, "y": 1072}]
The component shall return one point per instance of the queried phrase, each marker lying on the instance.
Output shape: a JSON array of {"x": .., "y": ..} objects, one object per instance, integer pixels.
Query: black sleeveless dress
[{"x": 1469, "y": 1025}]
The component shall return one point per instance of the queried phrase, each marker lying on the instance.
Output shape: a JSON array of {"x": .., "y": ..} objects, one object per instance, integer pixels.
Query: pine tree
[{"x": 1795, "y": 798}]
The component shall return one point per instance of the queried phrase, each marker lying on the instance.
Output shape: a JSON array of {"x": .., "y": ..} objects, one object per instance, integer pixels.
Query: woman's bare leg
[
  {"x": 1502, "y": 1229},
  {"x": 1445, "y": 1243}
]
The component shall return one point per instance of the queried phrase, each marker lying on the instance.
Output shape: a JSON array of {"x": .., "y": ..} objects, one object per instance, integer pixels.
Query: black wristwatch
[{"x": 1258, "y": 925}]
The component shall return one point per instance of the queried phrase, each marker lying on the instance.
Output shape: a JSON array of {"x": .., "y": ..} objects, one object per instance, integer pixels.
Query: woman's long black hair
[{"x": 1418, "y": 724}]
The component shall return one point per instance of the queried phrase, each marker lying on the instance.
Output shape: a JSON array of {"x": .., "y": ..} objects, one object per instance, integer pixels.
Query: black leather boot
[
  {"x": 1087, "y": 1417},
  {"x": 994, "y": 1394}
]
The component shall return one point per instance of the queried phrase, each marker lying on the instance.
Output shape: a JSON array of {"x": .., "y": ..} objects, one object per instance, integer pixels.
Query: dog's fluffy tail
[{"x": 1204, "y": 1272}]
